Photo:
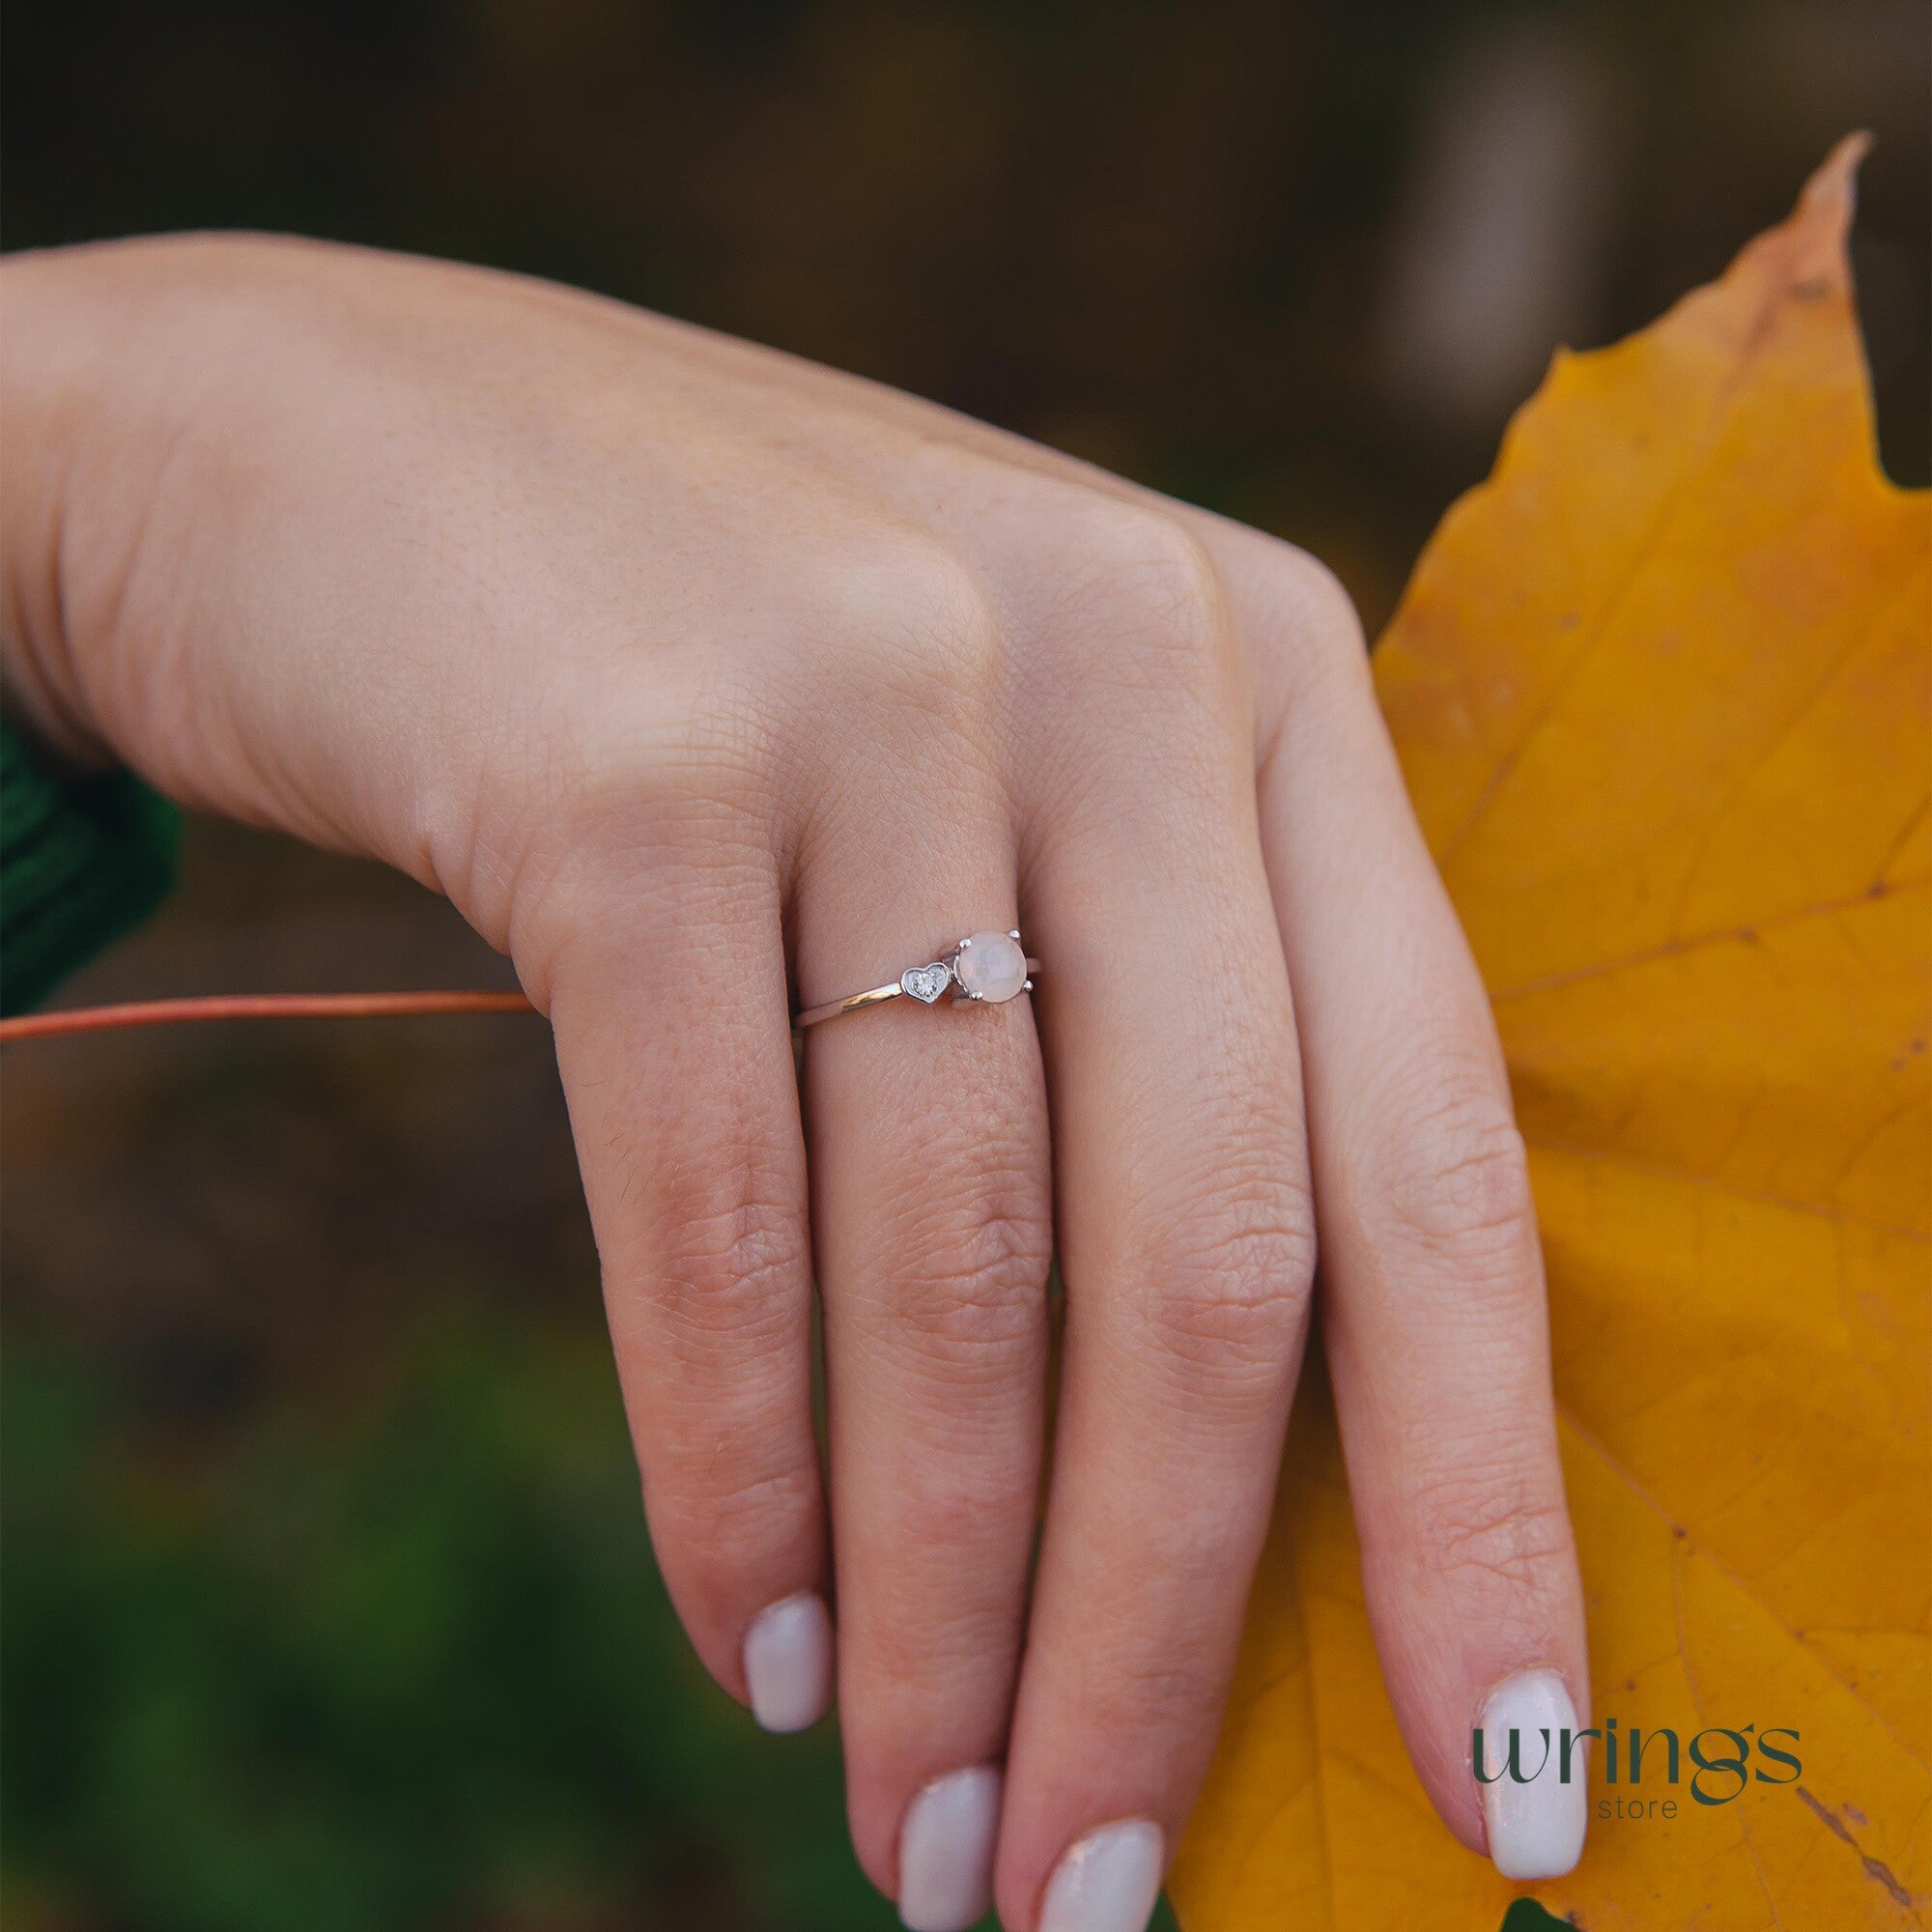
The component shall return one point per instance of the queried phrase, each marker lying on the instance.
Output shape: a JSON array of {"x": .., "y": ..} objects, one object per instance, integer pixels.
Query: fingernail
[
  {"x": 1108, "y": 1881},
  {"x": 1535, "y": 1821},
  {"x": 788, "y": 1663},
  {"x": 946, "y": 1851}
]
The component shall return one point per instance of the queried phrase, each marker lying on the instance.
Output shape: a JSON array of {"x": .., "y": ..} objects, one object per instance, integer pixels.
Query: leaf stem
[{"x": 256, "y": 1007}]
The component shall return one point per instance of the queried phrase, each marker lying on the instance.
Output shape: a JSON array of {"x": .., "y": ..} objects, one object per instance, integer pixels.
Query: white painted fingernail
[
  {"x": 1108, "y": 1881},
  {"x": 946, "y": 1851},
  {"x": 1535, "y": 1817},
  {"x": 788, "y": 1663}
]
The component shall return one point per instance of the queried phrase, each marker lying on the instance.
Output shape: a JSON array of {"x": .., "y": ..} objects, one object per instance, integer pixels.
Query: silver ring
[{"x": 987, "y": 967}]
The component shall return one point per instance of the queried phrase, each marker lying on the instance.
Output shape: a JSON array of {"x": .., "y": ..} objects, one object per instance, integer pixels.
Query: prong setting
[{"x": 989, "y": 967}]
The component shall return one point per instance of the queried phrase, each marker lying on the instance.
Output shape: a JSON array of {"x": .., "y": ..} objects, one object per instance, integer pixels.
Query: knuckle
[
  {"x": 690, "y": 744},
  {"x": 1329, "y": 621},
  {"x": 1318, "y": 615},
  {"x": 927, "y": 625},
  {"x": 1456, "y": 1180},
  {"x": 1232, "y": 1282},
  {"x": 629, "y": 815},
  {"x": 951, "y": 1499},
  {"x": 1486, "y": 1525},
  {"x": 732, "y": 1265},
  {"x": 929, "y": 1641},
  {"x": 1165, "y": 566},
  {"x": 1304, "y": 607},
  {"x": 721, "y": 1519},
  {"x": 975, "y": 1286},
  {"x": 1309, "y": 657},
  {"x": 1155, "y": 1690},
  {"x": 961, "y": 1505},
  {"x": 1153, "y": 1666},
  {"x": 1147, "y": 586}
]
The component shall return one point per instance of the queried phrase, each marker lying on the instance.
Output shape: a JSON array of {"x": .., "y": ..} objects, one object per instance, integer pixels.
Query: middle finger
[{"x": 1186, "y": 1238}]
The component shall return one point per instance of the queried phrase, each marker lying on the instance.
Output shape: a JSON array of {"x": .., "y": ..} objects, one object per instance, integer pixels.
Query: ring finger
[{"x": 932, "y": 1233}]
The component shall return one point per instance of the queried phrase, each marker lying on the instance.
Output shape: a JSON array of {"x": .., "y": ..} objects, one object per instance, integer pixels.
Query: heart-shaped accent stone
[{"x": 925, "y": 983}]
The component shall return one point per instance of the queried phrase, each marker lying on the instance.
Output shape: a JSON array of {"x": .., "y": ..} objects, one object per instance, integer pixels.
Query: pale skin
[{"x": 707, "y": 683}]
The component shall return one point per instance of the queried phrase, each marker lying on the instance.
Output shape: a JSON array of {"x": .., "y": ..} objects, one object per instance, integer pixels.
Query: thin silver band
[{"x": 925, "y": 983}]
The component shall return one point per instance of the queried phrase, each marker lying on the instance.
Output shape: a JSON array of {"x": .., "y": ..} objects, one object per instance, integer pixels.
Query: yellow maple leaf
[{"x": 1661, "y": 691}]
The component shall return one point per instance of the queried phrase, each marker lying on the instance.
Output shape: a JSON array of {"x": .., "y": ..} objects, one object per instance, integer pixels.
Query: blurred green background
[{"x": 327, "y": 1600}]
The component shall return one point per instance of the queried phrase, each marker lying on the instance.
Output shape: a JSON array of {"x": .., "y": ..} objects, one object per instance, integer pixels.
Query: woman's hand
[{"x": 701, "y": 678}]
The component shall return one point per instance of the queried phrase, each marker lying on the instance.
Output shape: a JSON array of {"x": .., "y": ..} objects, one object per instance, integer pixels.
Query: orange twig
[{"x": 257, "y": 1006}]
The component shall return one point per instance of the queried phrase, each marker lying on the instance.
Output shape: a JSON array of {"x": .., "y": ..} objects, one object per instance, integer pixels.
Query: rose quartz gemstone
[{"x": 991, "y": 966}]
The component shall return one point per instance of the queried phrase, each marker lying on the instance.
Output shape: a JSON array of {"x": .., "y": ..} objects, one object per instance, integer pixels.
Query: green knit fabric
[{"x": 80, "y": 861}]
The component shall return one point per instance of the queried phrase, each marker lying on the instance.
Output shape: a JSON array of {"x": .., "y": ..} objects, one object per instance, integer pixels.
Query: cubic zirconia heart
[{"x": 925, "y": 983}]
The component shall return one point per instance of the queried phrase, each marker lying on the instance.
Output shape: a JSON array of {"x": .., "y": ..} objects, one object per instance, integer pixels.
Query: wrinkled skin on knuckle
[
  {"x": 1165, "y": 572},
  {"x": 950, "y": 1507},
  {"x": 956, "y": 1508},
  {"x": 925, "y": 1649},
  {"x": 730, "y": 1261},
  {"x": 1495, "y": 1523},
  {"x": 1152, "y": 1690},
  {"x": 1155, "y": 1665},
  {"x": 971, "y": 1286},
  {"x": 1230, "y": 1278},
  {"x": 1452, "y": 1179}
]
